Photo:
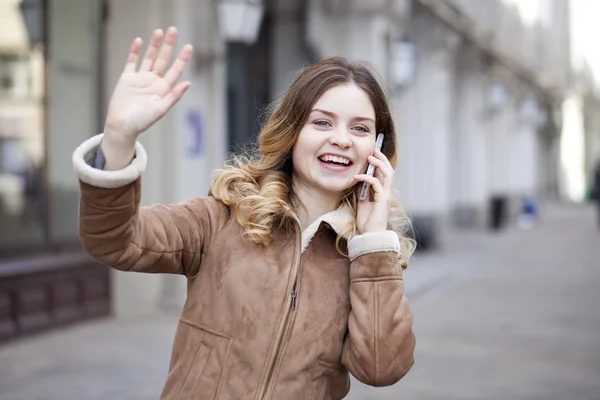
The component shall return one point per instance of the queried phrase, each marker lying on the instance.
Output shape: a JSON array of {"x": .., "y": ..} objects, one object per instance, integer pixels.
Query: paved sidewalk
[{"x": 509, "y": 316}]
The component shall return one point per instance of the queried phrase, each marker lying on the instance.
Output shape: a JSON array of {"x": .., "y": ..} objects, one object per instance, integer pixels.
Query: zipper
[
  {"x": 294, "y": 299},
  {"x": 286, "y": 325}
]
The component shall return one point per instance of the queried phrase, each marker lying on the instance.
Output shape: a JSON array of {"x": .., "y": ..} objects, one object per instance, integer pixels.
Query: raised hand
[{"x": 144, "y": 95}]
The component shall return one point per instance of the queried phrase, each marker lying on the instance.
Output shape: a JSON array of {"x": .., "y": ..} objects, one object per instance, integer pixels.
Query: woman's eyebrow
[{"x": 333, "y": 115}]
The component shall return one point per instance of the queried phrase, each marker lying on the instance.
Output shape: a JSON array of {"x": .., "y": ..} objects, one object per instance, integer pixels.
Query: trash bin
[{"x": 497, "y": 212}]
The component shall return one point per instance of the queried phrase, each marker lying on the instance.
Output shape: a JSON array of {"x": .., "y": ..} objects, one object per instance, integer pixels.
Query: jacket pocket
[
  {"x": 327, "y": 382},
  {"x": 191, "y": 387},
  {"x": 199, "y": 355}
]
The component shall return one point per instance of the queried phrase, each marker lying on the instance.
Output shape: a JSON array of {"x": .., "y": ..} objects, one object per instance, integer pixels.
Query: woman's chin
[{"x": 336, "y": 187}]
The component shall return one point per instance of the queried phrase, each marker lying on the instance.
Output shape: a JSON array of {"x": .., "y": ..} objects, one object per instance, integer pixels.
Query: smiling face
[{"x": 335, "y": 141}]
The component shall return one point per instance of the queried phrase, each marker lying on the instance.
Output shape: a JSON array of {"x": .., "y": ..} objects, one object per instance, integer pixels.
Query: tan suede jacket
[{"x": 288, "y": 321}]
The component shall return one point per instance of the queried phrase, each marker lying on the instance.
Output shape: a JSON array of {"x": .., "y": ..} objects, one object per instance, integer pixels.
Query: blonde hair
[{"x": 258, "y": 185}]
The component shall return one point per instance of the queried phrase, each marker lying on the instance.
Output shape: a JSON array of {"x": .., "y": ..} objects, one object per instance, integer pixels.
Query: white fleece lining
[
  {"x": 372, "y": 242},
  {"x": 106, "y": 179},
  {"x": 337, "y": 219}
]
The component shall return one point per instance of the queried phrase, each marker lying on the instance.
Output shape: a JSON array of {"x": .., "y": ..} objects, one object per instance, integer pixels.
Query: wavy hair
[{"x": 258, "y": 184}]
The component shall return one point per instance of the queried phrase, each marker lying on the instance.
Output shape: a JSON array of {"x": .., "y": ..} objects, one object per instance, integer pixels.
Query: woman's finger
[
  {"x": 134, "y": 54},
  {"x": 381, "y": 166},
  {"x": 374, "y": 182},
  {"x": 176, "y": 70},
  {"x": 382, "y": 178},
  {"x": 173, "y": 96},
  {"x": 164, "y": 56},
  {"x": 152, "y": 50},
  {"x": 379, "y": 154}
]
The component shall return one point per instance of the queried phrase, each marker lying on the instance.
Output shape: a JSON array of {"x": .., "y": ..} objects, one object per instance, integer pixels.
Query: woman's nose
[{"x": 341, "y": 138}]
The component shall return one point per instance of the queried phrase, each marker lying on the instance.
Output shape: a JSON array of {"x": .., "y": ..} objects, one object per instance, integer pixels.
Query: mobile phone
[{"x": 371, "y": 169}]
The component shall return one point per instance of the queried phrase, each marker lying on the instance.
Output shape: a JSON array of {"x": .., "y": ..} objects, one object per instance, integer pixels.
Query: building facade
[{"x": 51, "y": 77}]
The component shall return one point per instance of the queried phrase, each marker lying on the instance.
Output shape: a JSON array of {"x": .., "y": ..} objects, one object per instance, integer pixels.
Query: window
[
  {"x": 22, "y": 189},
  {"x": 15, "y": 76}
]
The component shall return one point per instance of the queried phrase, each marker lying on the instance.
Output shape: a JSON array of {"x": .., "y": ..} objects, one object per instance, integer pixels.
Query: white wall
[
  {"x": 354, "y": 33},
  {"x": 469, "y": 150},
  {"x": 499, "y": 151},
  {"x": 427, "y": 121},
  {"x": 523, "y": 168}
]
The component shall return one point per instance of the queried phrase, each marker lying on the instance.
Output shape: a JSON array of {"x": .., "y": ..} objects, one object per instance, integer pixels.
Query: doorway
[{"x": 248, "y": 89}]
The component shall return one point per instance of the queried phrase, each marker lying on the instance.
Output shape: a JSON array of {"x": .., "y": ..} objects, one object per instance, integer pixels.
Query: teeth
[{"x": 336, "y": 159}]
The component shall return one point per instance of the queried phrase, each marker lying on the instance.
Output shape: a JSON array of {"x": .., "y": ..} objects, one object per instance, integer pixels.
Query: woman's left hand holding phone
[{"x": 372, "y": 216}]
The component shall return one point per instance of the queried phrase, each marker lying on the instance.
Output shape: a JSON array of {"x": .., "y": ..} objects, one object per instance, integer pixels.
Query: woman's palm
[
  {"x": 141, "y": 97},
  {"x": 136, "y": 102}
]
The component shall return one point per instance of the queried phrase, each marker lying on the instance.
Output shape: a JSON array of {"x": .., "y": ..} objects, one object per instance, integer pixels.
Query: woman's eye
[
  {"x": 322, "y": 123},
  {"x": 362, "y": 129}
]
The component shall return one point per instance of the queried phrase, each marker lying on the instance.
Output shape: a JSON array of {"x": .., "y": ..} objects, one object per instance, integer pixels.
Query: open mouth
[{"x": 335, "y": 160}]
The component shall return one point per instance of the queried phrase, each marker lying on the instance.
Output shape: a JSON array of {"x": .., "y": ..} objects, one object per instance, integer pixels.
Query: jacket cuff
[
  {"x": 85, "y": 153},
  {"x": 373, "y": 242}
]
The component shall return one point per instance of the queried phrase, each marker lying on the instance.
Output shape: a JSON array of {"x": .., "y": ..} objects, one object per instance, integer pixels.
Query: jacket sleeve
[
  {"x": 116, "y": 231},
  {"x": 379, "y": 345}
]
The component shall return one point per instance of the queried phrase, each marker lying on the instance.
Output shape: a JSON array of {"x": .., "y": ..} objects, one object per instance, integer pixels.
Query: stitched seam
[
  {"x": 187, "y": 375},
  {"x": 178, "y": 229},
  {"x": 154, "y": 251},
  {"x": 208, "y": 330},
  {"x": 371, "y": 251},
  {"x": 224, "y": 370},
  {"x": 378, "y": 279},
  {"x": 96, "y": 234},
  {"x": 150, "y": 250},
  {"x": 263, "y": 375},
  {"x": 110, "y": 208},
  {"x": 331, "y": 366},
  {"x": 193, "y": 364},
  {"x": 230, "y": 220},
  {"x": 376, "y": 335},
  {"x": 208, "y": 244}
]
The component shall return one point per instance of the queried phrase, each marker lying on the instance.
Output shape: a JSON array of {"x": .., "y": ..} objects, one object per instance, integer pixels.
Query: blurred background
[{"x": 498, "y": 108}]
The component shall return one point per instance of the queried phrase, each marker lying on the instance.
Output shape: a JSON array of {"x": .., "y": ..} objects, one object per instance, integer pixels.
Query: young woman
[{"x": 293, "y": 282}]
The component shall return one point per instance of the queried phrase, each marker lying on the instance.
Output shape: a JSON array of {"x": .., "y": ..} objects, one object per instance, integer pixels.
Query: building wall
[
  {"x": 468, "y": 171},
  {"x": 592, "y": 136},
  {"x": 503, "y": 68},
  {"x": 289, "y": 48},
  {"x": 74, "y": 72}
]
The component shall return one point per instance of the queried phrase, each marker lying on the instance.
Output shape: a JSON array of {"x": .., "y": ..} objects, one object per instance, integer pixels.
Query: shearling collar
[{"x": 338, "y": 220}]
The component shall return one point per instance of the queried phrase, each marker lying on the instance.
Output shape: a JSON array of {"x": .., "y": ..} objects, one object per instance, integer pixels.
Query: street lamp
[
  {"x": 496, "y": 97},
  {"x": 239, "y": 20},
  {"x": 531, "y": 113},
  {"x": 401, "y": 63},
  {"x": 230, "y": 21},
  {"x": 33, "y": 12}
]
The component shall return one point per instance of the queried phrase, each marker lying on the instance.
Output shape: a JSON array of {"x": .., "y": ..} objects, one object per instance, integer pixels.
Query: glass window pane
[{"x": 22, "y": 163}]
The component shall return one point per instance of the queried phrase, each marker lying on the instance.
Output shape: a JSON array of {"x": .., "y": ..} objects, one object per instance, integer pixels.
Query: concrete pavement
[{"x": 507, "y": 316}]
